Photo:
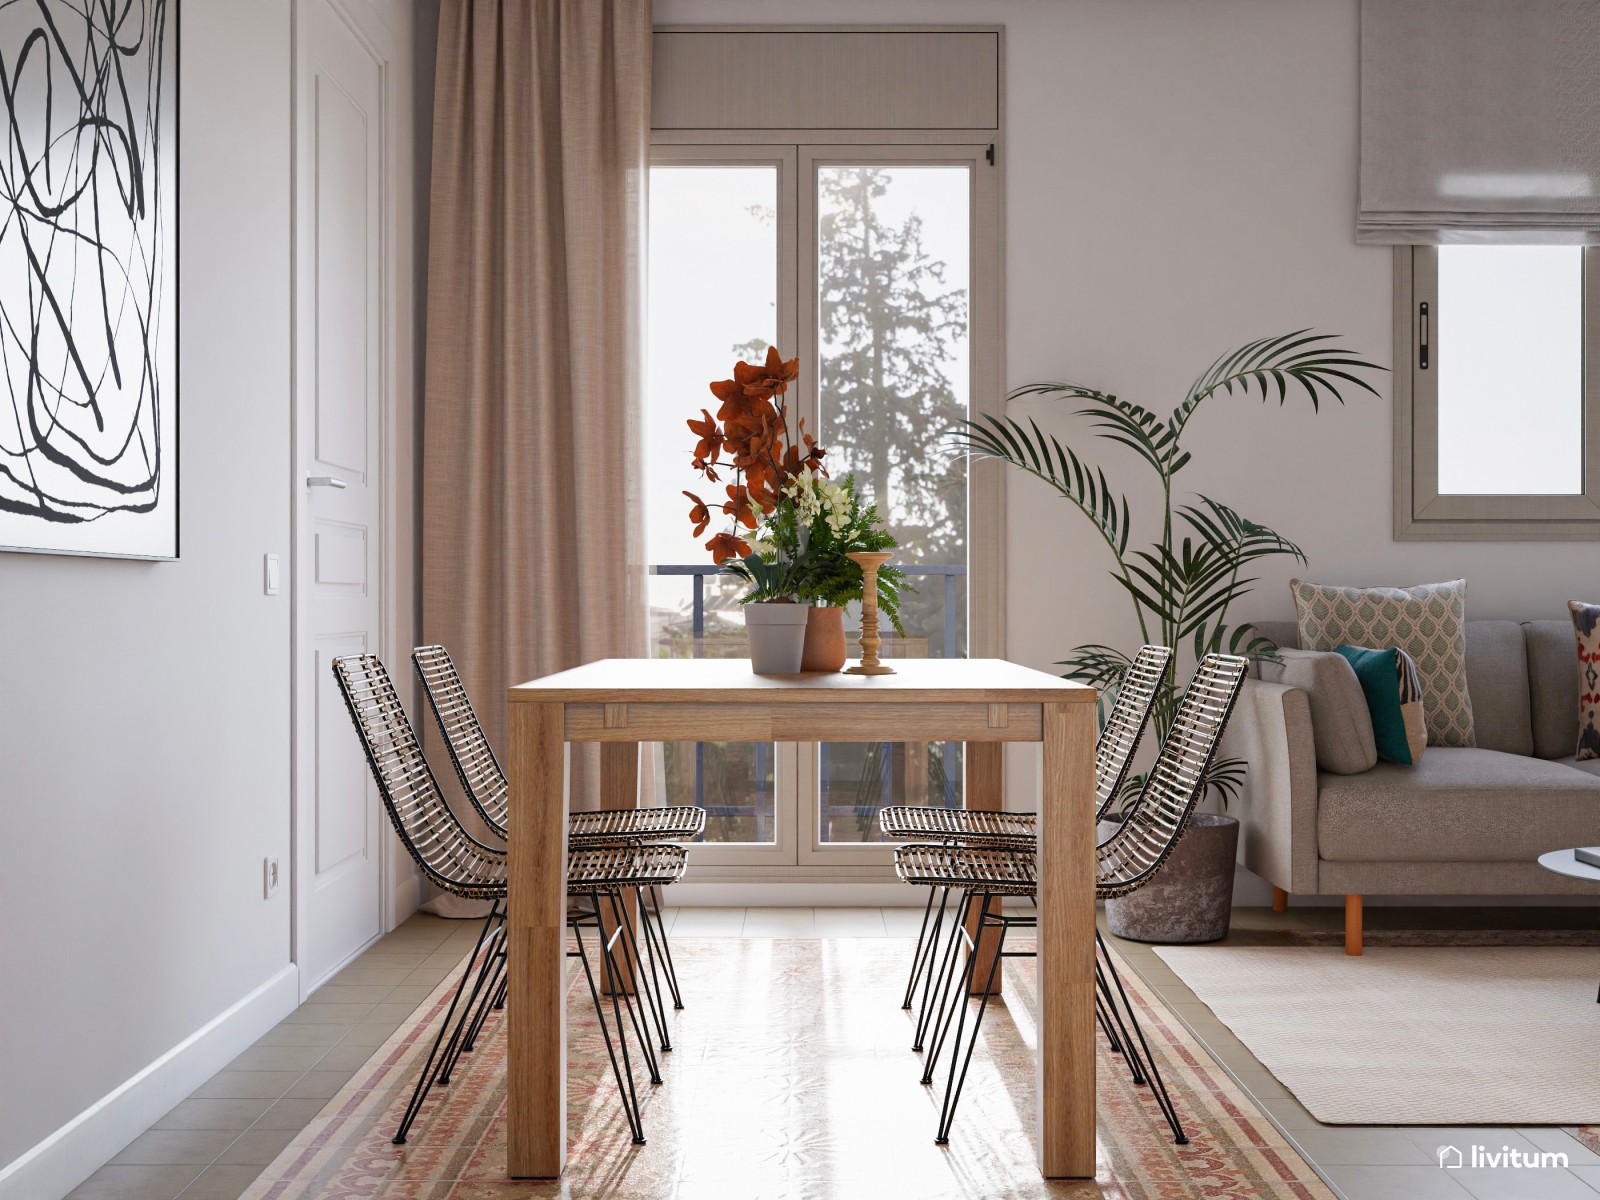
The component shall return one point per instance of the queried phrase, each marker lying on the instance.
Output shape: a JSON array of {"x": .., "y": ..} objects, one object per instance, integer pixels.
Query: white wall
[
  {"x": 1181, "y": 178},
  {"x": 144, "y": 720}
]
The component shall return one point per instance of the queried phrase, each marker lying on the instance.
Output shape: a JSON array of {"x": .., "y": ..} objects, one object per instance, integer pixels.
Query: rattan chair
[
  {"x": 485, "y": 784},
  {"x": 456, "y": 862},
  {"x": 984, "y": 876},
  {"x": 1113, "y": 757}
]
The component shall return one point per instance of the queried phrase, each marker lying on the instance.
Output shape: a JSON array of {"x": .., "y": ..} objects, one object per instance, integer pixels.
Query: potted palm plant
[{"x": 1181, "y": 586}]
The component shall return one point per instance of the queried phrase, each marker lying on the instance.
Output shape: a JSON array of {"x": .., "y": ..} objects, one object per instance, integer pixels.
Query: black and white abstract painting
[{"x": 88, "y": 277}]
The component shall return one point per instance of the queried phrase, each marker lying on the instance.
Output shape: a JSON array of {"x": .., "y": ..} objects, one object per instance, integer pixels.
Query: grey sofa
[{"x": 1460, "y": 822}]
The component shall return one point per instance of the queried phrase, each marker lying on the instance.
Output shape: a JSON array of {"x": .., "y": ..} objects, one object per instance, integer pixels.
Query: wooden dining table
[{"x": 620, "y": 703}]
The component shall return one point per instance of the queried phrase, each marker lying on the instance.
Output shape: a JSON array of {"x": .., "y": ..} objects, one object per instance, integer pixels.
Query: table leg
[
  {"x": 985, "y": 793},
  {"x": 619, "y": 788},
  {"x": 1066, "y": 944},
  {"x": 536, "y": 1011}
]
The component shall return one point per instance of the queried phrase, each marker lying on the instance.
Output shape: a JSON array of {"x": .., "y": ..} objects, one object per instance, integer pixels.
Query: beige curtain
[{"x": 532, "y": 554}]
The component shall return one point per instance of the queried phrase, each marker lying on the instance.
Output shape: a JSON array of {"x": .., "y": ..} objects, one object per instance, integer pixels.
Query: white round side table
[{"x": 1565, "y": 862}]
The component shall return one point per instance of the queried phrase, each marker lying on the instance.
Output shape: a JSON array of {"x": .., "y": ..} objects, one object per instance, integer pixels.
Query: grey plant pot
[
  {"x": 1191, "y": 897},
  {"x": 777, "y": 637}
]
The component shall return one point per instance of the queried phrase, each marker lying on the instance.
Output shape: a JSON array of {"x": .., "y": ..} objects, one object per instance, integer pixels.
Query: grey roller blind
[
  {"x": 826, "y": 79},
  {"x": 1480, "y": 121}
]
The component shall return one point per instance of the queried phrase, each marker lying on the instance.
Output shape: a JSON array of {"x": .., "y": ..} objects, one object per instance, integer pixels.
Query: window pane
[
  {"x": 1509, "y": 343},
  {"x": 702, "y": 316},
  {"x": 893, "y": 265}
]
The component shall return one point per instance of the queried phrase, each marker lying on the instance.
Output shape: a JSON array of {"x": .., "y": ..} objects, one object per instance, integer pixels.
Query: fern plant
[{"x": 1182, "y": 585}]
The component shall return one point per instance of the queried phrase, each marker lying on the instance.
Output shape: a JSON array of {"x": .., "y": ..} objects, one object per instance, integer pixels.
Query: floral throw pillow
[
  {"x": 1428, "y": 622},
  {"x": 1586, "y": 624}
]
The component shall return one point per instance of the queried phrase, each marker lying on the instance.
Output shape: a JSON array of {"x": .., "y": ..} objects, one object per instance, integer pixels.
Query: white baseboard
[
  {"x": 62, "y": 1161},
  {"x": 405, "y": 899},
  {"x": 794, "y": 895}
]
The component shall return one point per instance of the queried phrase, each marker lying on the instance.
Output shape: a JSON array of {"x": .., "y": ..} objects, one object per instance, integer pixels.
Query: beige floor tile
[
  {"x": 322, "y": 1035},
  {"x": 246, "y": 1085},
  {"x": 779, "y": 922},
  {"x": 135, "y": 1183},
  {"x": 352, "y": 993},
  {"x": 1521, "y": 1184},
  {"x": 237, "y": 1114},
  {"x": 411, "y": 993},
  {"x": 849, "y": 922},
  {"x": 345, "y": 1057},
  {"x": 709, "y": 922},
  {"x": 1397, "y": 1183},
  {"x": 394, "y": 1013},
  {"x": 363, "y": 972},
  {"x": 902, "y": 922},
  {"x": 318, "y": 1084},
  {"x": 1578, "y": 1155},
  {"x": 277, "y": 1058},
  {"x": 1260, "y": 1084},
  {"x": 256, "y": 1147},
  {"x": 316, "y": 1012},
  {"x": 1590, "y": 1174},
  {"x": 293, "y": 1114},
  {"x": 369, "y": 1034},
  {"x": 1362, "y": 1145},
  {"x": 221, "y": 1182},
  {"x": 175, "y": 1147}
]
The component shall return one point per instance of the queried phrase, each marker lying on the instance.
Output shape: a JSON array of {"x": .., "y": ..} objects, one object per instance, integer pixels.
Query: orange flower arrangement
[{"x": 750, "y": 435}]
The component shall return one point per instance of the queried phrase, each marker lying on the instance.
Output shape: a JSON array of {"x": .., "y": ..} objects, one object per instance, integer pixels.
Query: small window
[{"x": 1497, "y": 393}]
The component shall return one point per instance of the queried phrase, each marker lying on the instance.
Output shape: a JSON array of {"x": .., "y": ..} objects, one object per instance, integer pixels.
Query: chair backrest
[
  {"x": 475, "y": 763},
  {"x": 1119, "y": 737},
  {"x": 450, "y": 857},
  {"x": 1176, "y": 782}
]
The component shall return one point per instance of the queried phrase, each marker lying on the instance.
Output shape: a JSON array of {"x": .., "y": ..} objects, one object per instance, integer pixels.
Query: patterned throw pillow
[
  {"x": 1428, "y": 622},
  {"x": 1394, "y": 698},
  {"x": 1586, "y": 624}
]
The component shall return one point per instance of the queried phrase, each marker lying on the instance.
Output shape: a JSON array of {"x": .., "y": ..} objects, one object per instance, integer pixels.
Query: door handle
[{"x": 327, "y": 481}]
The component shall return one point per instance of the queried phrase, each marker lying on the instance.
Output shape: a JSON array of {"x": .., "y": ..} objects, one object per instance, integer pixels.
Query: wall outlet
[
  {"x": 269, "y": 574},
  {"x": 269, "y": 878}
]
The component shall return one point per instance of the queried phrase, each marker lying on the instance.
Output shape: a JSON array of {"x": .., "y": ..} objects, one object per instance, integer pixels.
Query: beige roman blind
[
  {"x": 826, "y": 79},
  {"x": 1480, "y": 121}
]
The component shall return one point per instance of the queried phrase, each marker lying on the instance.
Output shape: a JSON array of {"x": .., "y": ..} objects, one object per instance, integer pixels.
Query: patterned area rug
[{"x": 792, "y": 1076}]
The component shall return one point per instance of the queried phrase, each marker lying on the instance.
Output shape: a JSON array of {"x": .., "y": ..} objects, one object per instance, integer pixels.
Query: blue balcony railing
[{"x": 698, "y": 572}]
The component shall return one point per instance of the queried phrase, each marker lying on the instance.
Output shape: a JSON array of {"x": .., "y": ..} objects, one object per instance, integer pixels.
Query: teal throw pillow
[{"x": 1393, "y": 690}]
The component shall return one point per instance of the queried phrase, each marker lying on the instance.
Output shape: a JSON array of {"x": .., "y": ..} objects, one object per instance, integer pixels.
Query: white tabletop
[{"x": 1562, "y": 862}]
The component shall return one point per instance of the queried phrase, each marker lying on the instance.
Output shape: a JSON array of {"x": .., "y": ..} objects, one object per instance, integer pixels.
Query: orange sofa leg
[
  {"x": 1280, "y": 900},
  {"x": 1352, "y": 924}
]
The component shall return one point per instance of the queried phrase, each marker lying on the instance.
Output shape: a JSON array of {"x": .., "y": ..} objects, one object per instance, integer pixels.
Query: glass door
[
  {"x": 887, "y": 250},
  {"x": 866, "y": 262},
  {"x": 717, "y": 255}
]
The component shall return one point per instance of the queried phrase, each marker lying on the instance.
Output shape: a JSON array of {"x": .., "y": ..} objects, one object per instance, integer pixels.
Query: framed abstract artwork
[{"x": 89, "y": 277}]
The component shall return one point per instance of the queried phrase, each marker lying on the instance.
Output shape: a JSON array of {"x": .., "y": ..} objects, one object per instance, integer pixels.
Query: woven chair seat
[
  {"x": 590, "y": 868},
  {"x": 684, "y": 823},
  {"x": 996, "y": 872},
  {"x": 1000, "y": 830}
]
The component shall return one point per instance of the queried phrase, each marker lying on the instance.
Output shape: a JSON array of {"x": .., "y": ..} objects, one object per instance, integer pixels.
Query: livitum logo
[{"x": 1453, "y": 1158}]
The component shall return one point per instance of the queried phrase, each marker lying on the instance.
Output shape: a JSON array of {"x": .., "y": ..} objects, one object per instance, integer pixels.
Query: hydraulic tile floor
[{"x": 214, "y": 1144}]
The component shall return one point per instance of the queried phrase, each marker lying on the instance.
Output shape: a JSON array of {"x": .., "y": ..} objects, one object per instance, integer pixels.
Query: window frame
[{"x": 1420, "y": 512}]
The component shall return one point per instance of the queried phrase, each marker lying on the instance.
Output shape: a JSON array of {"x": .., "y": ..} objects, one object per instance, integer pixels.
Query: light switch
[{"x": 269, "y": 572}]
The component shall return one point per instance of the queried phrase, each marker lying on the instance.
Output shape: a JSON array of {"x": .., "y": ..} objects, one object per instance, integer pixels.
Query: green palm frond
[
  {"x": 1095, "y": 665},
  {"x": 1030, "y": 449},
  {"x": 1296, "y": 358},
  {"x": 1239, "y": 536}
]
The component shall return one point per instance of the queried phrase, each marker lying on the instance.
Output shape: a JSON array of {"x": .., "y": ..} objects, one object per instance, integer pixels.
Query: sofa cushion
[
  {"x": 1552, "y": 686},
  {"x": 1341, "y": 726},
  {"x": 1426, "y": 620},
  {"x": 1497, "y": 679},
  {"x": 1457, "y": 805}
]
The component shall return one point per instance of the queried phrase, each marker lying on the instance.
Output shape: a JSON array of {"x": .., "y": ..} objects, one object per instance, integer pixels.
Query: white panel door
[{"x": 340, "y": 406}]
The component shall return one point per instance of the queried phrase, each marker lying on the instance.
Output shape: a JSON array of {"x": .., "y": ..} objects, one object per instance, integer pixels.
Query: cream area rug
[{"x": 1414, "y": 1036}]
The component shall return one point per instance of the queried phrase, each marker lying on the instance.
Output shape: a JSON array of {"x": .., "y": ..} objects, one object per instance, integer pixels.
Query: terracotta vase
[{"x": 825, "y": 648}]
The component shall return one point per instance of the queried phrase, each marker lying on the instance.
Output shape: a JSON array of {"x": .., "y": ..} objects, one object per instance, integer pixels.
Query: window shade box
[{"x": 774, "y": 79}]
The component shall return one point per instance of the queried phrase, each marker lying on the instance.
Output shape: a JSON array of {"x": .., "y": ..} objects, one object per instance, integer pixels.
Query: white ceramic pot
[{"x": 777, "y": 637}]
